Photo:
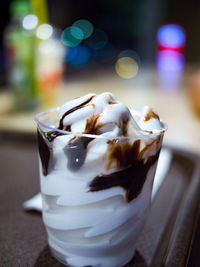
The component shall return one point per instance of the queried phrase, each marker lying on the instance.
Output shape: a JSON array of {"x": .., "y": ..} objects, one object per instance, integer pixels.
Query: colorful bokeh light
[
  {"x": 85, "y": 26},
  {"x": 78, "y": 56},
  {"x": 29, "y": 22},
  {"x": 126, "y": 67},
  {"x": 170, "y": 57},
  {"x": 44, "y": 31},
  {"x": 72, "y": 36},
  {"x": 76, "y": 32},
  {"x": 171, "y": 61},
  {"x": 171, "y": 35}
]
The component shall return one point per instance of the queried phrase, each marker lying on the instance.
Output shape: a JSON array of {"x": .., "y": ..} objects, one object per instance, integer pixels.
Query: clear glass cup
[{"x": 96, "y": 192}]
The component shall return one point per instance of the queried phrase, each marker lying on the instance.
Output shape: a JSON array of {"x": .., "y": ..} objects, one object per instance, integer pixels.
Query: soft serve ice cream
[{"x": 97, "y": 170}]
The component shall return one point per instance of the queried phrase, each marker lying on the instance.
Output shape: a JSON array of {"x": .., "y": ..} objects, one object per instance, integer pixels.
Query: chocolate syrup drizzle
[
  {"x": 126, "y": 157},
  {"x": 61, "y": 126},
  {"x": 43, "y": 152},
  {"x": 75, "y": 150},
  {"x": 133, "y": 174},
  {"x": 151, "y": 114}
]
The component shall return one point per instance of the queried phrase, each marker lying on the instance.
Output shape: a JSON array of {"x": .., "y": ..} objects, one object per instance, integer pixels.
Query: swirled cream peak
[
  {"x": 104, "y": 114},
  {"x": 148, "y": 120}
]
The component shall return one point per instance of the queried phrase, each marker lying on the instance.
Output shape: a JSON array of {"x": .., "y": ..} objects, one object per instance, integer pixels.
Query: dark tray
[{"x": 169, "y": 231}]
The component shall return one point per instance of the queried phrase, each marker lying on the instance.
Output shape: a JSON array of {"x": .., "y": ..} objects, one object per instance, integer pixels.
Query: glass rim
[{"x": 144, "y": 134}]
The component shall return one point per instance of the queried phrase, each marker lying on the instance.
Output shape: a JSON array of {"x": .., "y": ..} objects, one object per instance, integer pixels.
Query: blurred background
[{"x": 145, "y": 52}]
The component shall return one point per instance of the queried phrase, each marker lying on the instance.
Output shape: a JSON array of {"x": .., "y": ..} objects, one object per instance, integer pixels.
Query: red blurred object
[
  {"x": 171, "y": 40},
  {"x": 49, "y": 81}
]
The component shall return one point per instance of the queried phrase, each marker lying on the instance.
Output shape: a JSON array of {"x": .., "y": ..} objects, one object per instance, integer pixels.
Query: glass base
[
  {"x": 62, "y": 260},
  {"x": 58, "y": 256}
]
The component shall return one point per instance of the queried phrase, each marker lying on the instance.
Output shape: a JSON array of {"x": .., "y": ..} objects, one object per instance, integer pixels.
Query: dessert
[{"x": 97, "y": 167}]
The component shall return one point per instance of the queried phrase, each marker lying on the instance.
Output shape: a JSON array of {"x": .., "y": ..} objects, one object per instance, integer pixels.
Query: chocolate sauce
[
  {"x": 44, "y": 152},
  {"x": 50, "y": 136},
  {"x": 76, "y": 151},
  {"x": 131, "y": 179},
  {"x": 151, "y": 115},
  {"x": 121, "y": 153},
  {"x": 133, "y": 174},
  {"x": 72, "y": 110},
  {"x": 92, "y": 127},
  {"x": 125, "y": 126}
]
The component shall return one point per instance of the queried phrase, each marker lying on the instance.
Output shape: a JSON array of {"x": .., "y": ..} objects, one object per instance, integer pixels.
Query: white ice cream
[{"x": 97, "y": 228}]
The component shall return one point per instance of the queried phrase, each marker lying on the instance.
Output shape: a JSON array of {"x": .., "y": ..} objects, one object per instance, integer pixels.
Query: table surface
[
  {"x": 171, "y": 101},
  {"x": 19, "y": 229}
]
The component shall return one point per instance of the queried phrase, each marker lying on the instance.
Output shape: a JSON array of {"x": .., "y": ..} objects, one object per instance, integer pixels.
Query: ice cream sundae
[{"x": 98, "y": 162}]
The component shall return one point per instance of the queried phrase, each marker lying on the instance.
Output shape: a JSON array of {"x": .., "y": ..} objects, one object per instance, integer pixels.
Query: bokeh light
[
  {"x": 126, "y": 67},
  {"x": 85, "y": 26},
  {"x": 97, "y": 40},
  {"x": 170, "y": 56},
  {"x": 29, "y": 22},
  {"x": 72, "y": 36},
  {"x": 76, "y": 32},
  {"x": 171, "y": 61},
  {"x": 78, "y": 56},
  {"x": 52, "y": 46},
  {"x": 71, "y": 53},
  {"x": 44, "y": 31},
  {"x": 171, "y": 35}
]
